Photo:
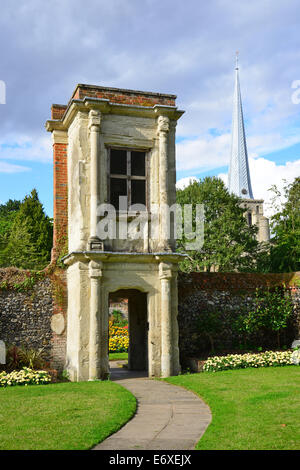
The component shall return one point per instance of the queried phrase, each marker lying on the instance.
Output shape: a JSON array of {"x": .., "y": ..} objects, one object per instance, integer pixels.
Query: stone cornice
[
  {"x": 59, "y": 137},
  {"x": 122, "y": 257},
  {"x": 107, "y": 107}
]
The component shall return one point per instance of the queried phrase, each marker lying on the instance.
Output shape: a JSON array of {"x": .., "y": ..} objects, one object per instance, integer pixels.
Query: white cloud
[
  {"x": 26, "y": 148},
  {"x": 184, "y": 182},
  {"x": 11, "y": 168},
  {"x": 197, "y": 65},
  {"x": 263, "y": 144},
  {"x": 209, "y": 152},
  {"x": 204, "y": 153}
]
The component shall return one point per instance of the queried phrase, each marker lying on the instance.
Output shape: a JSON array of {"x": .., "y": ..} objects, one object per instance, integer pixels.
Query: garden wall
[
  {"x": 33, "y": 312},
  {"x": 229, "y": 293}
]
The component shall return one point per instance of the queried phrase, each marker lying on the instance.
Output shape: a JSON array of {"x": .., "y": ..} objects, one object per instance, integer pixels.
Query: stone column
[
  {"x": 175, "y": 330},
  {"x": 172, "y": 162},
  {"x": 165, "y": 275},
  {"x": 95, "y": 324},
  {"x": 163, "y": 130},
  {"x": 94, "y": 127}
]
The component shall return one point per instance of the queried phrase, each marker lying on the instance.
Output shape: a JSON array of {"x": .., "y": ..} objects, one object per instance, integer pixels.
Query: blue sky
[{"x": 187, "y": 48}]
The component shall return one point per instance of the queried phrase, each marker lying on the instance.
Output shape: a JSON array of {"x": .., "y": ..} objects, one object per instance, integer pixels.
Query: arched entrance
[
  {"x": 149, "y": 283},
  {"x": 137, "y": 326}
]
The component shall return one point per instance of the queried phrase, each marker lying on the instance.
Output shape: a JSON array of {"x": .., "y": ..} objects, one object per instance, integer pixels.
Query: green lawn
[
  {"x": 118, "y": 356},
  {"x": 252, "y": 409},
  {"x": 63, "y": 416}
]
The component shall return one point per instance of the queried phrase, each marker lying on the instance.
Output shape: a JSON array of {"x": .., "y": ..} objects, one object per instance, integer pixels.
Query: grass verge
[
  {"x": 118, "y": 356},
  {"x": 252, "y": 409},
  {"x": 64, "y": 416}
]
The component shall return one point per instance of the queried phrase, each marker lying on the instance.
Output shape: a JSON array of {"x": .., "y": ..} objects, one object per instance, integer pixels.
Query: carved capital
[
  {"x": 95, "y": 269},
  {"x": 163, "y": 124},
  {"x": 81, "y": 115},
  {"x": 165, "y": 271},
  {"x": 94, "y": 120}
]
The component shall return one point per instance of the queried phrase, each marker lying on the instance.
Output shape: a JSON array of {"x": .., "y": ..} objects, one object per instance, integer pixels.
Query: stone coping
[
  {"x": 235, "y": 281},
  {"x": 123, "y": 90}
]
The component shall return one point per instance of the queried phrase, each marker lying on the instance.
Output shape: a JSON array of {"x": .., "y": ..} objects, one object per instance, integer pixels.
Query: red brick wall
[
  {"x": 60, "y": 305},
  {"x": 124, "y": 96},
  {"x": 57, "y": 111},
  {"x": 60, "y": 198}
]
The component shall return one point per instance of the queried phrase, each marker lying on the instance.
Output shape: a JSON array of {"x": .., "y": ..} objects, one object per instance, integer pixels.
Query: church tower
[{"x": 239, "y": 181}]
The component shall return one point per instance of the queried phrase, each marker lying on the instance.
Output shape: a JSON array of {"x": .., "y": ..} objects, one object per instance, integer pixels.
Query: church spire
[{"x": 239, "y": 181}]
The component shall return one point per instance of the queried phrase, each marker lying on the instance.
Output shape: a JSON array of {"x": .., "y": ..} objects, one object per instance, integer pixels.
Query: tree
[
  {"x": 8, "y": 213},
  {"x": 30, "y": 240},
  {"x": 285, "y": 226},
  {"x": 12, "y": 205},
  {"x": 20, "y": 252},
  {"x": 229, "y": 242}
]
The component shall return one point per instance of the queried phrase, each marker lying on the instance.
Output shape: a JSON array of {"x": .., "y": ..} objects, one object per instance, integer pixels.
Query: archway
[{"x": 137, "y": 326}]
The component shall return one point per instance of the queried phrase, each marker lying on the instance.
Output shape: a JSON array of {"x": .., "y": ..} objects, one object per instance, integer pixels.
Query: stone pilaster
[
  {"x": 163, "y": 127},
  {"x": 165, "y": 274},
  {"x": 175, "y": 329},
  {"x": 94, "y": 128},
  {"x": 98, "y": 369}
]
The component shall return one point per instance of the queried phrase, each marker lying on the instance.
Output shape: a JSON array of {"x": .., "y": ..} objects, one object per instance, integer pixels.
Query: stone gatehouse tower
[{"x": 108, "y": 143}]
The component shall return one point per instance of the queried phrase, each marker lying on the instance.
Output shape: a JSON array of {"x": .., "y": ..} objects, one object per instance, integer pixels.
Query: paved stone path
[{"x": 167, "y": 418}]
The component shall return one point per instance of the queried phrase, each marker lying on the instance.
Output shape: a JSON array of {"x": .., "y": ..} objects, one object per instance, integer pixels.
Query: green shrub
[
  {"x": 118, "y": 319},
  {"x": 272, "y": 310},
  {"x": 19, "y": 357}
]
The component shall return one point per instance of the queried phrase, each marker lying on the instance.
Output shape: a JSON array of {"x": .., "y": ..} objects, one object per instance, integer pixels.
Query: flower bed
[
  {"x": 242, "y": 361},
  {"x": 118, "y": 338},
  {"x": 25, "y": 376}
]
